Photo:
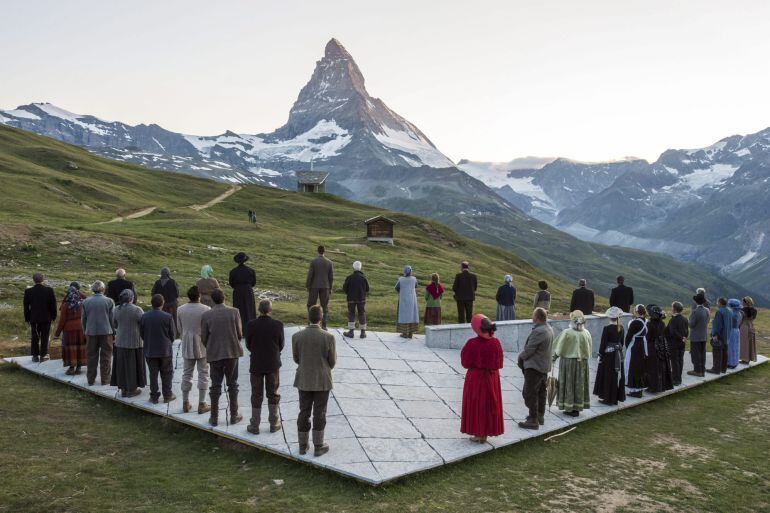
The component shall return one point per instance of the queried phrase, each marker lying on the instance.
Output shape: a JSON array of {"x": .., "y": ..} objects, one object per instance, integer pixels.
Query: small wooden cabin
[
  {"x": 311, "y": 181},
  {"x": 379, "y": 229}
]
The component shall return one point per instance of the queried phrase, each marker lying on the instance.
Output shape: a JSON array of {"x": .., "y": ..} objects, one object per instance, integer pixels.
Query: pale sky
[{"x": 485, "y": 80}]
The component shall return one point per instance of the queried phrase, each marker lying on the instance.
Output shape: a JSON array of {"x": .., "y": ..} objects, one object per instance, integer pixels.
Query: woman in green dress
[
  {"x": 433, "y": 294},
  {"x": 573, "y": 346}
]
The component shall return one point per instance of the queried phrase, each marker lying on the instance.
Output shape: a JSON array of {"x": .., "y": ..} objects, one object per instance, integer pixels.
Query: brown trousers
[
  {"x": 322, "y": 296},
  {"x": 99, "y": 351},
  {"x": 264, "y": 385},
  {"x": 316, "y": 402}
]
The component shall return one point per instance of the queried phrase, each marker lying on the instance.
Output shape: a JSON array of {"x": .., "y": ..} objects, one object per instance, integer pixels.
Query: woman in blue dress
[
  {"x": 408, "y": 315},
  {"x": 734, "y": 344}
]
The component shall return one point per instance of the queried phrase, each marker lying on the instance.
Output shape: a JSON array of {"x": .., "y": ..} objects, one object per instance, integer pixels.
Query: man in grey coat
[
  {"x": 320, "y": 278},
  {"x": 221, "y": 336},
  {"x": 315, "y": 353},
  {"x": 96, "y": 319},
  {"x": 699, "y": 323},
  {"x": 535, "y": 361}
]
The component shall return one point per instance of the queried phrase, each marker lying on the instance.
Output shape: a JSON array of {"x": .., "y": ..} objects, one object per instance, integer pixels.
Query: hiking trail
[{"x": 219, "y": 199}]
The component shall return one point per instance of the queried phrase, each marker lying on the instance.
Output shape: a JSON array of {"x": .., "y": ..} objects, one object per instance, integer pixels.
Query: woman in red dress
[{"x": 482, "y": 396}]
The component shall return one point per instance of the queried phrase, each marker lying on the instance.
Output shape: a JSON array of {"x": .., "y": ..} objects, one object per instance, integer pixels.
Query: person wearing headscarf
[
  {"x": 573, "y": 346},
  {"x": 167, "y": 287},
  {"x": 543, "y": 297},
  {"x": 677, "y": 331},
  {"x": 206, "y": 285},
  {"x": 118, "y": 285},
  {"x": 188, "y": 327},
  {"x": 243, "y": 279},
  {"x": 658, "y": 361},
  {"x": 748, "y": 333},
  {"x": 408, "y": 315},
  {"x": 610, "y": 384},
  {"x": 482, "y": 407},
  {"x": 721, "y": 328},
  {"x": 356, "y": 288},
  {"x": 734, "y": 343},
  {"x": 128, "y": 365},
  {"x": 434, "y": 292},
  {"x": 636, "y": 353},
  {"x": 506, "y": 300},
  {"x": 70, "y": 328}
]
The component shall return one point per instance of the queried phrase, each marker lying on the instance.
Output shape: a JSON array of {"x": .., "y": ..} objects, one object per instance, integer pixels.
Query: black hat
[
  {"x": 655, "y": 312},
  {"x": 75, "y": 284},
  {"x": 241, "y": 258},
  {"x": 699, "y": 299}
]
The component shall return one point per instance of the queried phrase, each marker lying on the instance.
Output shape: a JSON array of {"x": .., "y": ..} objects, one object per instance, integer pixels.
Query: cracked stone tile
[
  {"x": 392, "y": 449},
  {"x": 379, "y": 427},
  {"x": 389, "y": 377},
  {"x": 409, "y": 393},
  {"x": 386, "y": 364},
  {"x": 427, "y": 409},
  {"x": 439, "y": 428},
  {"x": 369, "y": 407}
]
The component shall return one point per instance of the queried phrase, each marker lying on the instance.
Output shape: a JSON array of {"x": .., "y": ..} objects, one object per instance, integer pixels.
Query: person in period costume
[
  {"x": 573, "y": 346},
  {"x": 610, "y": 384},
  {"x": 700, "y": 291},
  {"x": 265, "y": 341},
  {"x": 243, "y": 279},
  {"x": 506, "y": 300},
  {"x": 356, "y": 288},
  {"x": 535, "y": 362},
  {"x": 677, "y": 331},
  {"x": 118, "y": 285},
  {"x": 734, "y": 344},
  {"x": 622, "y": 296},
  {"x": 434, "y": 292},
  {"x": 320, "y": 278},
  {"x": 221, "y": 336},
  {"x": 658, "y": 360},
  {"x": 188, "y": 327},
  {"x": 315, "y": 353},
  {"x": 167, "y": 287},
  {"x": 482, "y": 407},
  {"x": 464, "y": 288},
  {"x": 96, "y": 319},
  {"x": 636, "y": 353},
  {"x": 39, "y": 312},
  {"x": 583, "y": 299},
  {"x": 699, "y": 324},
  {"x": 206, "y": 285},
  {"x": 747, "y": 332},
  {"x": 158, "y": 333},
  {"x": 542, "y": 297},
  {"x": 408, "y": 314},
  {"x": 128, "y": 366},
  {"x": 721, "y": 328},
  {"x": 70, "y": 329}
]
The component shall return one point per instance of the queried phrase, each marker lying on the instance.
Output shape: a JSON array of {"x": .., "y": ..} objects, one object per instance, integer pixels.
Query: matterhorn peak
[{"x": 334, "y": 49}]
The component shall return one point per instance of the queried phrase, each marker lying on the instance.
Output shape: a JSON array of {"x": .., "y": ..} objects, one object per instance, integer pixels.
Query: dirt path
[
  {"x": 135, "y": 215},
  {"x": 219, "y": 199}
]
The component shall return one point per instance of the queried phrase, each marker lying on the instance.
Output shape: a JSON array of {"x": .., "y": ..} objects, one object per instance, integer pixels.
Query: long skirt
[
  {"x": 482, "y": 411},
  {"x": 748, "y": 343},
  {"x": 407, "y": 329},
  {"x": 636, "y": 379},
  {"x": 734, "y": 347},
  {"x": 505, "y": 313},
  {"x": 573, "y": 385},
  {"x": 432, "y": 315},
  {"x": 610, "y": 383},
  {"x": 128, "y": 369},
  {"x": 73, "y": 348}
]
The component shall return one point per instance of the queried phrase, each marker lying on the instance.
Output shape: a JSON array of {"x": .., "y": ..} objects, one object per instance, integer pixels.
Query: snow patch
[
  {"x": 21, "y": 113},
  {"x": 708, "y": 177},
  {"x": 419, "y": 148}
]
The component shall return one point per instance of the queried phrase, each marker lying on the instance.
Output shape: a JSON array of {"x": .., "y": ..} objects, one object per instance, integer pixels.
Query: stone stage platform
[{"x": 395, "y": 408}]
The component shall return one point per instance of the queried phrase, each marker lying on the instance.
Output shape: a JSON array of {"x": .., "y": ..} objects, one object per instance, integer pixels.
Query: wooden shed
[
  {"x": 379, "y": 229},
  {"x": 311, "y": 181}
]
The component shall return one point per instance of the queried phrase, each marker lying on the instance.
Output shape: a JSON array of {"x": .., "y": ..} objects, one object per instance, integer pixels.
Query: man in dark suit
[
  {"x": 158, "y": 333},
  {"x": 464, "y": 288},
  {"x": 582, "y": 299},
  {"x": 39, "y": 313},
  {"x": 118, "y": 285},
  {"x": 622, "y": 296},
  {"x": 265, "y": 341},
  {"x": 320, "y": 278}
]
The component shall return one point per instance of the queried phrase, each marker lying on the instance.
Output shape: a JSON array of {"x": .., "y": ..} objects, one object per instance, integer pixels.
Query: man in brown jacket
[
  {"x": 221, "y": 335},
  {"x": 315, "y": 353},
  {"x": 320, "y": 278}
]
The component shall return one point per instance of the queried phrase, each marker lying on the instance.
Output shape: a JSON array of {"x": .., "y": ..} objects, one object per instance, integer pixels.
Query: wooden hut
[
  {"x": 311, "y": 181},
  {"x": 379, "y": 229}
]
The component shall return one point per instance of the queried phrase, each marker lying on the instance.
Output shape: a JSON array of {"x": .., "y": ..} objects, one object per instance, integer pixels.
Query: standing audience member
[
  {"x": 543, "y": 297},
  {"x": 699, "y": 324},
  {"x": 582, "y": 299},
  {"x": 39, "y": 313},
  {"x": 158, "y": 334},
  {"x": 573, "y": 346},
  {"x": 622, "y": 296},
  {"x": 118, "y": 285},
  {"x": 315, "y": 354},
  {"x": 677, "y": 331},
  {"x": 97, "y": 325},
  {"x": 221, "y": 336},
  {"x": 69, "y": 327},
  {"x": 264, "y": 340},
  {"x": 748, "y": 333},
  {"x": 188, "y": 327},
  {"x": 734, "y": 344},
  {"x": 700, "y": 291},
  {"x": 636, "y": 352},
  {"x": 535, "y": 361},
  {"x": 658, "y": 360},
  {"x": 464, "y": 288},
  {"x": 168, "y": 288},
  {"x": 506, "y": 300},
  {"x": 610, "y": 384},
  {"x": 356, "y": 288},
  {"x": 242, "y": 280},
  {"x": 434, "y": 292},
  {"x": 128, "y": 366},
  {"x": 408, "y": 314},
  {"x": 320, "y": 278},
  {"x": 720, "y": 337},
  {"x": 206, "y": 285}
]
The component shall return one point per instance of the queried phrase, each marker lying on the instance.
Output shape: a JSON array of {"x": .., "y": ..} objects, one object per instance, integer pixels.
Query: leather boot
[
  {"x": 529, "y": 423},
  {"x": 363, "y": 333},
  {"x": 303, "y": 439},
  {"x": 186, "y": 406},
  {"x": 274, "y": 417},
  {"x": 202, "y": 406},
  {"x": 349, "y": 334},
  {"x": 214, "y": 418},
  {"x": 319, "y": 447},
  {"x": 235, "y": 417},
  {"x": 716, "y": 361},
  {"x": 256, "y": 418}
]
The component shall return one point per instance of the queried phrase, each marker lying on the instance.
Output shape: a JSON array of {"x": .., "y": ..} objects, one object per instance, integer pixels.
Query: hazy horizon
[{"x": 490, "y": 82}]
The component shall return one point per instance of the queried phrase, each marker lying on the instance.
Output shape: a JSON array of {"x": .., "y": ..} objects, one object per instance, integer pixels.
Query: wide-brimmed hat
[
  {"x": 699, "y": 299},
  {"x": 655, "y": 312},
  {"x": 241, "y": 258}
]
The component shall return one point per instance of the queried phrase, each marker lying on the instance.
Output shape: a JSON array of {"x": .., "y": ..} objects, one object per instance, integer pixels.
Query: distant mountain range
[{"x": 376, "y": 156}]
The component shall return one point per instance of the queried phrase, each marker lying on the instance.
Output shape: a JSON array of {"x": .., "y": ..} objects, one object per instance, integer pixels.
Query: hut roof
[
  {"x": 311, "y": 177},
  {"x": 380, "y": 218}
]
